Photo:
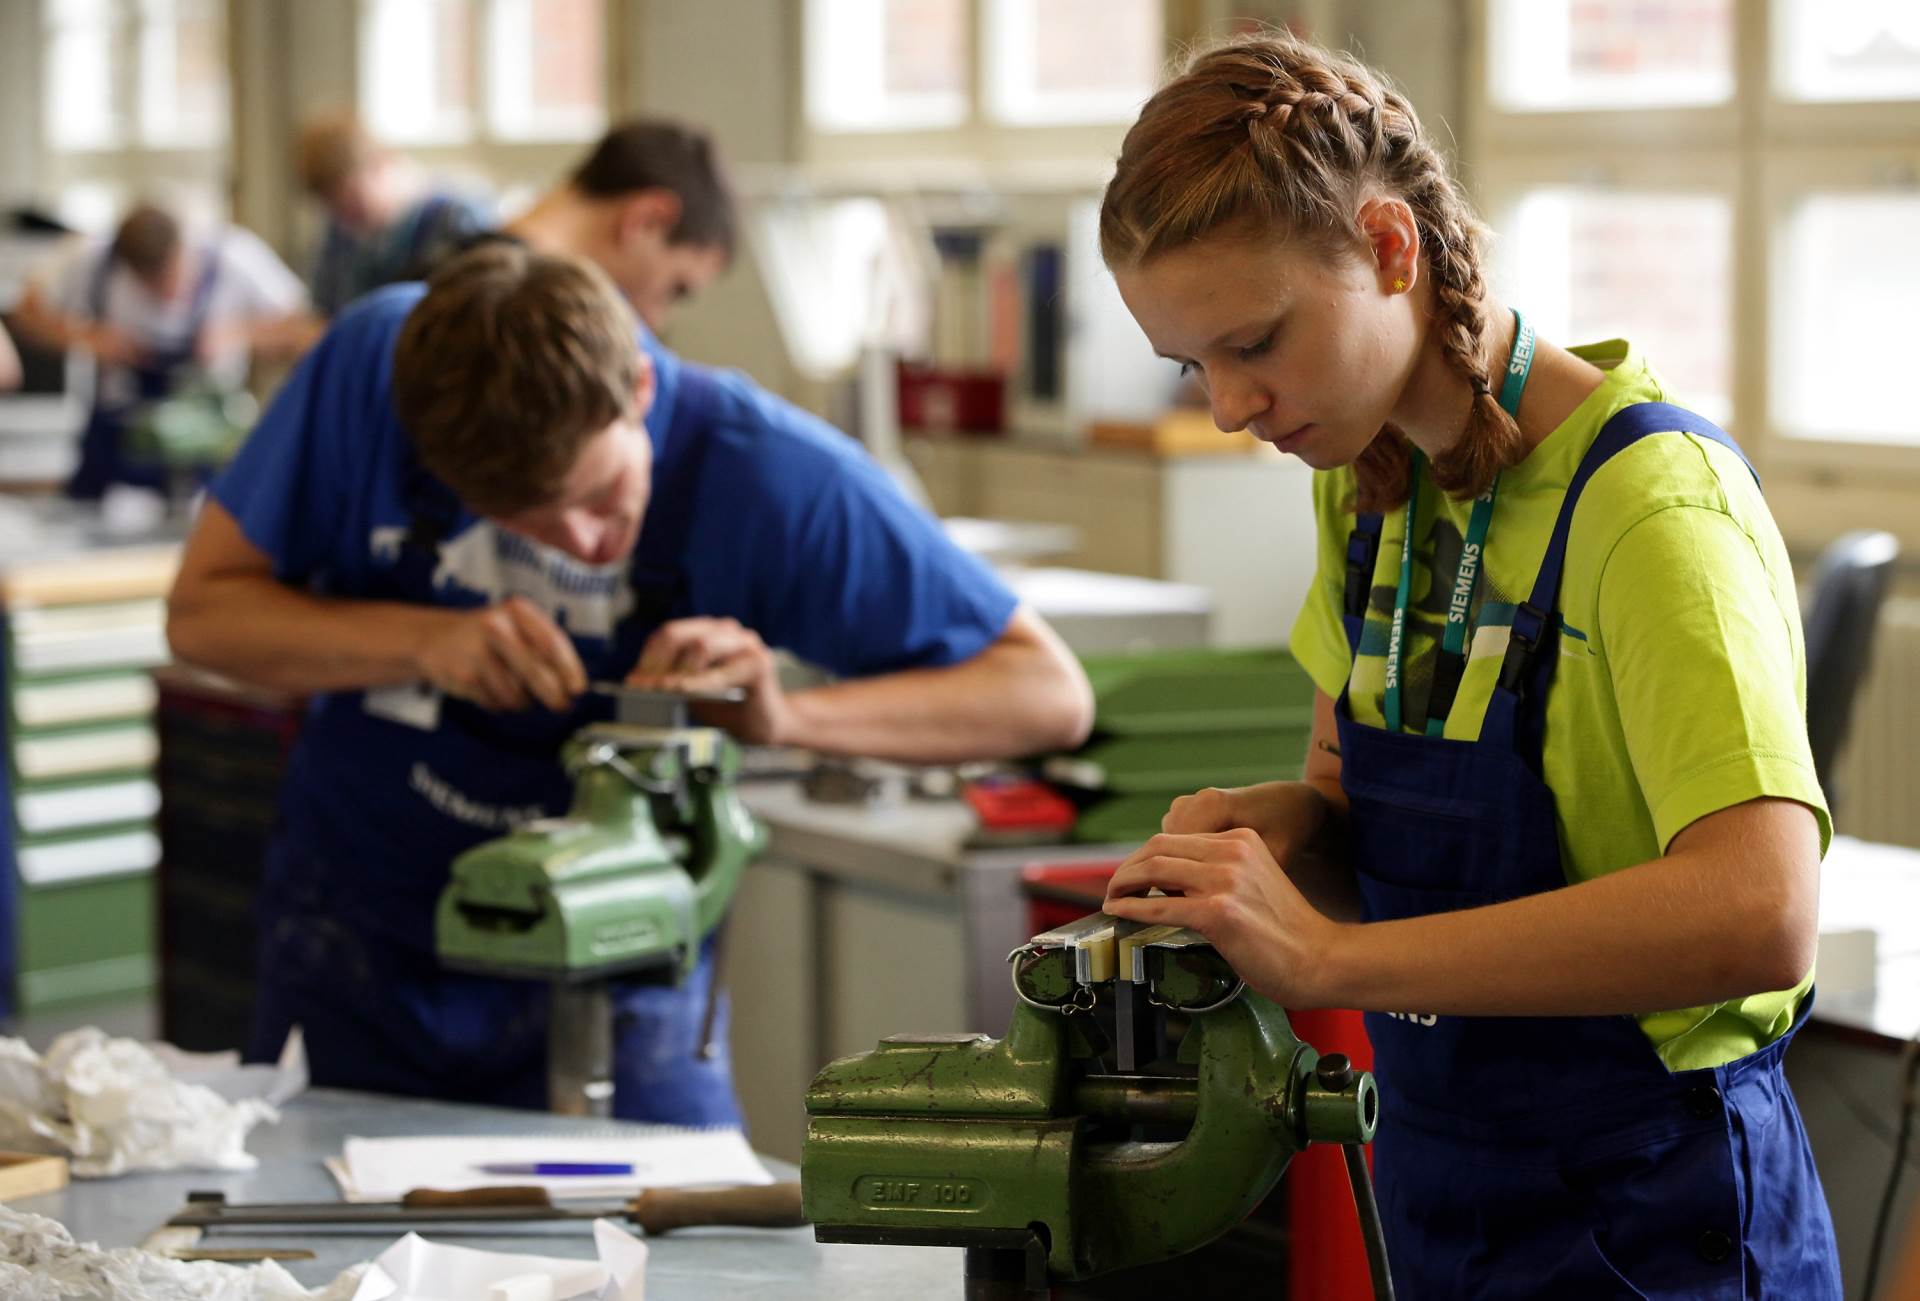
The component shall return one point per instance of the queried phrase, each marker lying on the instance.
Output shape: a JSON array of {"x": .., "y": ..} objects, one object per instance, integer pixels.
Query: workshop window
[
  {"x": 183, "y": 73},
  {"x": 887, "y": 64},
  {"x": 417, "y": 70},
  {"x": 83, "y": 102},
  {"x": 1836, "y": 52},
  {"x": 956, "y": 78},
  {"x": 120, "y": 73},
  {"x": 1060, "y": 61},
  {"x": 1717, "y": 181},
  {"x": 469, "y": 72},
  {"x": 1846, "y": 320},
  {"x": 1663, "y": 280},
  {"x": 1573, "y": 54},
  {"x": 546, "y": 78},
  {"x": 135, "y": 103}
]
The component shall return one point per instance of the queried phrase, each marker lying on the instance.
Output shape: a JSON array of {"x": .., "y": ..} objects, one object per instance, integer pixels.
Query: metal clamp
[
  {"x": 1169, "y": 941},
  {"x": 1081, "y": 1000},
  {"x": 606, "y": 754},
  {"x": 1153, "y": 997}
]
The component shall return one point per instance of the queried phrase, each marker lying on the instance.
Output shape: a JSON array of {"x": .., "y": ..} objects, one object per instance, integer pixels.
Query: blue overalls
[
  {"x": 1553, "y": 1156},
  {"x": 349, "y": 265},
  {"x": 346, "y": 948},
  {"x": 103, "y": 456}
]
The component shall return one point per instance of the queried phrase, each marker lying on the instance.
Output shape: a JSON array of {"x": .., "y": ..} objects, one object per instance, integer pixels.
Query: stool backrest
[{"x": 1843, "y": 611}]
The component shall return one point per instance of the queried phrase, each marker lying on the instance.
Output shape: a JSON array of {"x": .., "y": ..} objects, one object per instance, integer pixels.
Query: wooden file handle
[{"x": 757, "y": 1206}]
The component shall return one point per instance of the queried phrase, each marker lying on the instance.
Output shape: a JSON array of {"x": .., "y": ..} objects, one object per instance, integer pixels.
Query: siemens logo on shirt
[{"x": 447, "y": 798}]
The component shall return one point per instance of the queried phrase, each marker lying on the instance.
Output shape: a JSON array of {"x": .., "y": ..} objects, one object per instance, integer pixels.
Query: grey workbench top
[
  {"x": 36, "y": 530},
  {"x": 922, "y": 845},
  {"x": 697, "y": 1264}
]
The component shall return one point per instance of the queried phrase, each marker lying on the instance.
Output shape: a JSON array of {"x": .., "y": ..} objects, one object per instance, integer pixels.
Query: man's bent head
[{"x": 520, "y": 381}]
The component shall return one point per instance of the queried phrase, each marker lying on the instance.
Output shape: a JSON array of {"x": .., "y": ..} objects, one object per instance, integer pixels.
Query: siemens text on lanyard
[{"x": 1451, "y": 661}]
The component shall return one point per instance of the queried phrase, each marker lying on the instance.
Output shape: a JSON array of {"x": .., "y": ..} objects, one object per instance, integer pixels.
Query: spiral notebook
[{"x": 385, "y": 1169}]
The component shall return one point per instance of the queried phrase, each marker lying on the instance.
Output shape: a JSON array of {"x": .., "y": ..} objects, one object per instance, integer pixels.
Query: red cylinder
[{"x": 1327, "y": 1259}]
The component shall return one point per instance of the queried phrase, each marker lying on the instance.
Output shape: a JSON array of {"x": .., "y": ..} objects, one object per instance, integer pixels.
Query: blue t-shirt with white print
[{"x": 792, "y": 530}]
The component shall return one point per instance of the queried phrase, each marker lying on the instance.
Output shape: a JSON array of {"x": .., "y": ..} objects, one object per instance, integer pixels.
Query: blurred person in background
[
  {"x": 387, "y": 219},
  {"x": 161, "y": 307}
]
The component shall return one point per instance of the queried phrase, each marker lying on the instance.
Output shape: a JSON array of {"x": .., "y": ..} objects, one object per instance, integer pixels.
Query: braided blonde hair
[{"x": 1271, "y": 134}]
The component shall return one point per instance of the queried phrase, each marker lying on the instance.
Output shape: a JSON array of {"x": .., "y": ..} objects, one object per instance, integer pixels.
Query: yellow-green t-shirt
[{"x": 1681, "y": 684}]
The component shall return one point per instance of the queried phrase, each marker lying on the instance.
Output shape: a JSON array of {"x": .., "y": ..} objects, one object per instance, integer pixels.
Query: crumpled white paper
[
  {"x": 414, "y": 1269},
  {"x": 40, "y": 1261},
  {"x": 117, "y": 1105}
]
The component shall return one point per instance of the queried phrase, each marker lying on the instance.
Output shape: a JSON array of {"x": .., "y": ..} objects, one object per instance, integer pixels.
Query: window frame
[
  {"x": 1500, "y": 186},
  {"x": 504, "y": 161},
  {"x": 131, "y": 166},
  {"x": 979, "y": 141},
  {"x": 1789, "y": 176},
  {"x": 1764, "y": 151}
]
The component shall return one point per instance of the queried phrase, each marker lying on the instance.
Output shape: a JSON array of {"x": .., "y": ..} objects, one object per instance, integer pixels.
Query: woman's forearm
[{"x": 1702, "y": 925}]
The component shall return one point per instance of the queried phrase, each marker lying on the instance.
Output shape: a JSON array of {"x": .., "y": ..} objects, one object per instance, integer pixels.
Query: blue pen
[{"x": 555, "y": 1167}]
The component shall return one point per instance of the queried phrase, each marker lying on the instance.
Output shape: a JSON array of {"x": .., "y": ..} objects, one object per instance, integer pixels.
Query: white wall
[{"x": 728, "y": 66}]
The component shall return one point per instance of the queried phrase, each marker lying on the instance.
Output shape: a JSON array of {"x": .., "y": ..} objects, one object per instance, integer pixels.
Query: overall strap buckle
[
  {"x": 1523, "y": 639},
  {"x": 1448, "y": 669},
  {"x": 1363, "y": 549}
]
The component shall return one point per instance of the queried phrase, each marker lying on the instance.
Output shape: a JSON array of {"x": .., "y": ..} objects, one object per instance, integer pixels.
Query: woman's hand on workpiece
[
  {"x": 1287, "y": 815},
  {"x": 506, "y": 656},
  {"x": 1226, "y": 885},
  {"x": 704, "y": 655}
]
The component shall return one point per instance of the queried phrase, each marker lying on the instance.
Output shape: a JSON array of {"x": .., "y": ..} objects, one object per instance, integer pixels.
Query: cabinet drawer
[
  {"x": 949, "y": 471},
  {"x": 62, "y": 702},
  {"x": 85, "y": 940},
  {"x": 72, "y": 806},
  {"x": 1112, "y": 503},
  {"x": 67, "y": 859},
  {"x": 68, "y": 639},
  {"x": 78, "y": 752}
]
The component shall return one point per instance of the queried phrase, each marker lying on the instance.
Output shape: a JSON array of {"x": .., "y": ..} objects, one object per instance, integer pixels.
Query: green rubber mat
[
  {"x": 1190, "y": 691},
  {"x": 1130, "y": 819},
  {"x": 1127, "y": 765}
]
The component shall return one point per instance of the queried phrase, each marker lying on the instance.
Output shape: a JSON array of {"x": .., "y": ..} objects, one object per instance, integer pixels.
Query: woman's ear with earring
[{"x": 1393, "y": 236}]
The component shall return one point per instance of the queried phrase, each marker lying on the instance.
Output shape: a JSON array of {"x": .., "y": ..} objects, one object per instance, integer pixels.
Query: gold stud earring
[{"x": 1399, "y": 286}]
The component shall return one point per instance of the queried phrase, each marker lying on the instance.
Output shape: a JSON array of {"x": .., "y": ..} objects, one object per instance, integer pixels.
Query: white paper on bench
[{"x": 384, "y": 1169}]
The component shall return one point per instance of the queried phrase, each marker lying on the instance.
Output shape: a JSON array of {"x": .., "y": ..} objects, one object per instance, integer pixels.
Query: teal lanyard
[{"x": 1451, "y": 661}]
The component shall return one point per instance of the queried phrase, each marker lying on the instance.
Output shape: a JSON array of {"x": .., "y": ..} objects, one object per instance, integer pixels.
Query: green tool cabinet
[{"x": 81, "y": 637}]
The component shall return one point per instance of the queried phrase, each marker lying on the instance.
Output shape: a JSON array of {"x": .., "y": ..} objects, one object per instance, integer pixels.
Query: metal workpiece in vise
[
  {"x": 628, "y": 883},
  {"x": 1142, "y": 1103}
]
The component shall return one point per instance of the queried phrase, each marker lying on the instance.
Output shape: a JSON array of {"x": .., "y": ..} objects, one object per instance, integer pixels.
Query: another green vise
[
  {"x": 637, "y": 873},
  {"x": 1142, "y": 1103}
]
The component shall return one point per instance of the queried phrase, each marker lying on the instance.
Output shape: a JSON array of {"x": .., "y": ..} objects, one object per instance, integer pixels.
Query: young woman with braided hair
[{"x": 1558, "y": 832}]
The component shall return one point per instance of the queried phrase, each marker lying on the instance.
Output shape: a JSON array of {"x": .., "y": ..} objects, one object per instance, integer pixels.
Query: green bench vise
[
  {"x": 191, "y": 433},
  {"x": 1142, "y": 1103},
  {"x": 628, "y": 883}
]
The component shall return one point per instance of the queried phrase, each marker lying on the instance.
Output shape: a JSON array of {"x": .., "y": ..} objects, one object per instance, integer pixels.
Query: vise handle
[
  {"x": 656, "y": 1211},
  {"x": 754, "y": 1206}
]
